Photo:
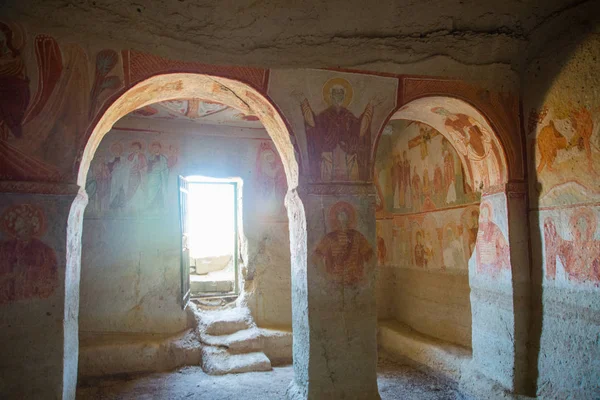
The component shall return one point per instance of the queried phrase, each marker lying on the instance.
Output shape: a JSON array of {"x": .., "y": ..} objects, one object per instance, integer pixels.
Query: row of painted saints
[
  {"x": 419, "y": 173},
  {"x": 132, "y": 179},
  {"x": 438, "y": 242}
]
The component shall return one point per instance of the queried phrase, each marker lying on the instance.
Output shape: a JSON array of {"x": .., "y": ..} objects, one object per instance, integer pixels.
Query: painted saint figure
[
  {"x": 344, "y": 251},
  {"x": 118, "y": 179},
  {"x": 416, "y": 189},
  {"x": 16, "y": 104},
  {"x": 492, "y": 247},
  {"x": 453, "y": 252},
  {"x": 449, "y": 172},
  {"x": 579, "y": 257},
  {"x": 421, "y": 254},
  {"x": 28, "y": 266},
  {"x": 138, "y": 166},
  {"x": 270, "y": 180},
  {"x": 338, "y": 141},
  {"x": 157, "y": 178}
]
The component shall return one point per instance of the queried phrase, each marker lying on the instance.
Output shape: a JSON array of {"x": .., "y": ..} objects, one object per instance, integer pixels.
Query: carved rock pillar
[
  {"x": 40, "y": 247},
  {"x": 500, "y": 295},
  {"x": 333, "y": 280}
]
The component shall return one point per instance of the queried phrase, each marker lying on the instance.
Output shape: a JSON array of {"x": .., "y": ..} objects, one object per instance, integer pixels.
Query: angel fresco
[
  {"x": 339, "y": 142},
  {"x": 16, "y": 106},
  {"x": 473, "y": 141},
  {"x": 45, "y": 125}
]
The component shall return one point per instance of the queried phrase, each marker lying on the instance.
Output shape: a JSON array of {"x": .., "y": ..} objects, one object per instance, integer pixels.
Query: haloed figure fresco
[
  {"x": 28, "y": 266},
  {"x": 339, "y": 142},
  {"x": 344, "y": 252}
]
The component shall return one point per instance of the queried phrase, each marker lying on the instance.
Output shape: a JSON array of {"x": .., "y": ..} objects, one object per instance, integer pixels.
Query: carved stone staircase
[{"x": 232, "y": 343}]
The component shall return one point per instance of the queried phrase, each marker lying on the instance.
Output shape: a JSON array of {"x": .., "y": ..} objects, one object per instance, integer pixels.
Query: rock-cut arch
[{"x": 166, "y": 87}]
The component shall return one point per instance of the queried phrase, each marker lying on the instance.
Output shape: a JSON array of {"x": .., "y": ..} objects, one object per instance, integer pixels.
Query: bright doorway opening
[{"x": 210, "y": 237}]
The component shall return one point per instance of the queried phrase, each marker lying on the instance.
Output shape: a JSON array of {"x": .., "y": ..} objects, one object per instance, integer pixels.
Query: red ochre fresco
[
  {"x": 344, "y": 251},
  {"x": 28, "y": 266}
]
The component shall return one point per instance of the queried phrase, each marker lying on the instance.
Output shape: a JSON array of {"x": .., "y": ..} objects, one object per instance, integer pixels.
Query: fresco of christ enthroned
[{"x": 338, "y": 141}]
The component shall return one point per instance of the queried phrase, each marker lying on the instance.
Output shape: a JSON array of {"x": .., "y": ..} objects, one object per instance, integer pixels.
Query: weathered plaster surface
[
  {"x": 130, "y": 268},
  {"x": 561, "y": 97}
]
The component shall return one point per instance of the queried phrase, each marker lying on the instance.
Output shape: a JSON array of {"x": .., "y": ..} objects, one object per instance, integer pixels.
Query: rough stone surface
[
  {"x": 217, "y": 361},
  {"x": 441, "y": 357},
  {"x": 395, "y": 381},
  {"x": 110, "y": 354}
]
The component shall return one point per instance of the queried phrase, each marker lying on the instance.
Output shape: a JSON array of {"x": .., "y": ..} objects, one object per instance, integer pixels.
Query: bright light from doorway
[{"x": 211, "y": 213}]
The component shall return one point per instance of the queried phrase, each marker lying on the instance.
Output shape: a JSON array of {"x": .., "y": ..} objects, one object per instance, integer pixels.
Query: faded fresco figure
[
  {"x": 449, "y": 172},
  {"x": 102, "y": 178},
  {"x": 17, "y": 107},
  {"x": 138, "y": 166},
  {"x": 549, "y": 142},
  {"x": 344, "y": 252},
  {"x": 270, "y": 181},
  {"x": 28, "y": 266},
  {"x": 474, "y": 141},
  {"x": 472, "y": 230},
  {"x": 157, "y": 178},
  {"x": 583, "y": 125},
  {"x": 397, "y": 181},
  {"x": 580, "y": 257},
  {"x": 416, "y": 190},
  {"x": 421, "y": 256},
  {"x": 339, "y": 142},
  {"x": 407, "y": 193},
  {"x": 453, "y": 252},
  {"x": 492, "y": 247},
  {"x": 438, "y": 184},
  {"x": 119, "y": 175}
]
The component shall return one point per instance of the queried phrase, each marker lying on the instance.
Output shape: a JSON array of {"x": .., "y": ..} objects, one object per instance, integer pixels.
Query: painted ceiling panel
[{"x": 200, "y": 111}]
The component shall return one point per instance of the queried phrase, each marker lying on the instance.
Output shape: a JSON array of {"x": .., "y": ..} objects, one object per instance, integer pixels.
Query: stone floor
[{"x": 396, "y": 381}]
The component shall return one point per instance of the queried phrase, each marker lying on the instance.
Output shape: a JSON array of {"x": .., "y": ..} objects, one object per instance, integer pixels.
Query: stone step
[
  {"x": 225, "y": 322},
  {"x": 218, "y": 361},
  {"x": 244, "y": 341}
]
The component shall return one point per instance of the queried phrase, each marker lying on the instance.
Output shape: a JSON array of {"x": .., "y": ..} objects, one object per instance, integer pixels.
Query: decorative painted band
[
  {"x": 511, "y": 187},
  {"x": 338, "y": 189},
  {"x": 52, "y": 188}
]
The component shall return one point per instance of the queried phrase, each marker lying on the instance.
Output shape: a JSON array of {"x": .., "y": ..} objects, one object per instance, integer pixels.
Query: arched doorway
[
  {"x": 447, "y": 209},
  {"x": 223, "y": 91}
]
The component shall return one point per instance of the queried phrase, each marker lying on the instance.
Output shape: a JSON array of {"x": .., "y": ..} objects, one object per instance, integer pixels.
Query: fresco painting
[
  {"x": 335, "y": 117},
  {"x": 344, "y": 252},
  {"x": 573, "y": 255},
  {"x": 28, "y": 266},
  {"x": 441, "y": 240},
  {"x": 42, "y": 115},
  {"x": 271, "y": 184},
  {"x": 339, "y": 142},
  {"x": 469, "y": 134},
  {"x": 417, "y": 169},
  {"x": 566, "y": 141},
  {"x": 492, "y": 248},
  {"x": 131, "y": 176}
]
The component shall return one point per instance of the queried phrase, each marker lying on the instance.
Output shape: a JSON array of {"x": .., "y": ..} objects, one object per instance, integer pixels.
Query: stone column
[
  {"x": 39, "y": 298},
  {"x": 334, "y": 310},
  {"x": 500, "y": 295}
]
